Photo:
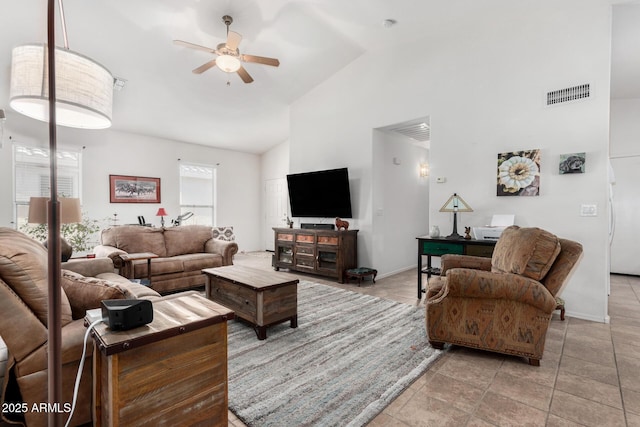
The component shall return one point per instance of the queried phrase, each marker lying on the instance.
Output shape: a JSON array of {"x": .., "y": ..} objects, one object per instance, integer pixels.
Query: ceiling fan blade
[
  {"x": 261, "y": 60},
  {"x": 204, "y": 67},
  {"x": 244, "y": 75},
  {"x": 194, "y": 46},
  {"x": 233, "y": 40}
]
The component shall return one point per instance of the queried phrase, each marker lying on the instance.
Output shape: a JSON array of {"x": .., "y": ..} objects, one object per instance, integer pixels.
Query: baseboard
[{"x": 400, "y": 270}]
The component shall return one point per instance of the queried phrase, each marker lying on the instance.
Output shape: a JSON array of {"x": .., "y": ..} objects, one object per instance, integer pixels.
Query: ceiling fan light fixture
[{"x": 228, "y": 63}]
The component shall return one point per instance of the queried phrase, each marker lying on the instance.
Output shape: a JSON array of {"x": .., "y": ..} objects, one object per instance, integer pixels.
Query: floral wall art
[{"x": 519, "y": 173}]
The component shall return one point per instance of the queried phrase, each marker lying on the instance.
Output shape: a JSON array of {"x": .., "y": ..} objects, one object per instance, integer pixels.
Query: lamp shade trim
[
  {"x": 84, "y": 88},
  {"x": 455, "y": 203}
]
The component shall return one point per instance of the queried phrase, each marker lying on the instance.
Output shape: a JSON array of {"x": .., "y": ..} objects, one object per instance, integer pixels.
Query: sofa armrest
[
  {"x": 468, "y": 283},
  {"x": 89, "y": 267},
  {"x": 450, "y": 261},
  {"x": 223, "y": 247},
  {"x": 112, "y": 252}
]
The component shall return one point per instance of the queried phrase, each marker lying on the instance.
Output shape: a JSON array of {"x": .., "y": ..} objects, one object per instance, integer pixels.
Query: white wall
[
  {"x": 110, "y": 152},
  {"x": 482, "y": 84},
  {"x": 400, "y": 202},
  {"x": 625, "y": 127}
]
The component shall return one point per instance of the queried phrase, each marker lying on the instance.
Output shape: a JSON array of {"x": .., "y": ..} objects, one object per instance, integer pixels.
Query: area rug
[{"x": 351, "y": 355}]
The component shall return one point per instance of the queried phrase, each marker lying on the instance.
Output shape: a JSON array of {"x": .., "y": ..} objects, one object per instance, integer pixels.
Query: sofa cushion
[
  {"x": 24, "y": 267},
  {"x": 192, "y": 262},
  {"x": 159, "y": 266},
  {"x": 135, "y": 239},
  {"x": 529, "y": 252},
  {"x": 86, "y": 293},
  {"x": 186, "y": 239}
]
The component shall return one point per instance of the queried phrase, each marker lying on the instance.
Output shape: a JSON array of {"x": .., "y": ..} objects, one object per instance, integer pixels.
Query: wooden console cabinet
[{"x": 323, "y": 252}]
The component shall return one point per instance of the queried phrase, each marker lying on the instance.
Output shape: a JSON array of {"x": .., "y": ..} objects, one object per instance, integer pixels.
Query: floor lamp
[{"x": 84, "y": 101}]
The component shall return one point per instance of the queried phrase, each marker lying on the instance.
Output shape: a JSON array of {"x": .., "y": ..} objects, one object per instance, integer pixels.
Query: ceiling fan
[{"x": 229, "y": 58}]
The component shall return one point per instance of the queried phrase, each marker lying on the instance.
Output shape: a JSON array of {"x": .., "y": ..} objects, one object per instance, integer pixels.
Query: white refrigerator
[{"x": 625, "y": 215}]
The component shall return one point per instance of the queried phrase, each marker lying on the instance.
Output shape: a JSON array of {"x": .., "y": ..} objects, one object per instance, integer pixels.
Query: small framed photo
[
  {"x": 572, "y": 163},
  {"x": 134, "y": 189}
]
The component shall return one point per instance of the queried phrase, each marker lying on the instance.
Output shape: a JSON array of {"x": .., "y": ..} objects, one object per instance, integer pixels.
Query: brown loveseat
[
  {"x": 504, "y": 303},
  {"x": 23, "y": 322},
  {"x": 182, "y": 253}
]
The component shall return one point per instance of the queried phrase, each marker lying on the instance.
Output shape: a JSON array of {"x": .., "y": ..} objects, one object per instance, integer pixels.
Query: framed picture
[
  {"x": 134, "y": 189},
  {"x": 572, "y": 163},
  {"x": 519, "y": 173}
]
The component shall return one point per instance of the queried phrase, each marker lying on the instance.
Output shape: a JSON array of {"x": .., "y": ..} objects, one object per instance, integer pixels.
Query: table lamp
[
  {"x": 455, "y": 204},
  {"x": 161, "y": 213},
  {"x": 69, "y": 212}
]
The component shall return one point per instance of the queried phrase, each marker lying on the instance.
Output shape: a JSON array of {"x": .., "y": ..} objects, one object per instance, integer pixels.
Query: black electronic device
[
  {"x": 141, "y": 220},
  {"x": 123, "y": 314},
  {"x": 320, "y": 194},
  {"x": 314, "y": 226}
]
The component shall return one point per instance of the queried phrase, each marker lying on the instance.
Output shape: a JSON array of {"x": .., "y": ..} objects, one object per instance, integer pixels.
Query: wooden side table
[
  {"x": 128, "y": 260},
  {"x": 172, "y": 371},
  {"x": 438, "y": 246}
]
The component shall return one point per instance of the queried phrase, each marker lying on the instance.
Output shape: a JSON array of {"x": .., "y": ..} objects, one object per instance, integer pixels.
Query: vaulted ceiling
[{"x": 312, "y": 39}]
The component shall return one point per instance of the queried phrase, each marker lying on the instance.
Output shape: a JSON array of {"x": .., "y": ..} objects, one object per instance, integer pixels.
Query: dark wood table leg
[
  {"x": 419, "y": 273},
  {"x": 294, "y": 321},
  {"x": 261, "y": 332}
]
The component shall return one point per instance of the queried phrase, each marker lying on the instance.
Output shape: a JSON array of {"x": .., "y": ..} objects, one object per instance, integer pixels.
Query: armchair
[{"x": 503, "y": 304}]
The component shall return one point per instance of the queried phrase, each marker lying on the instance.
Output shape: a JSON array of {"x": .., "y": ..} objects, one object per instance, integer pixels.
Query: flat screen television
[{"x": 320, "y": 194}]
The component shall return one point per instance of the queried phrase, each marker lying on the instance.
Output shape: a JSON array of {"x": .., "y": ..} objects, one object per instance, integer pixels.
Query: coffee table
[{"x": 261, "y": 298}]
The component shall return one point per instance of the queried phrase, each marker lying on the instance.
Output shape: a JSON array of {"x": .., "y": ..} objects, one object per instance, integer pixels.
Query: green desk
[{"x": 428, "y": 246}]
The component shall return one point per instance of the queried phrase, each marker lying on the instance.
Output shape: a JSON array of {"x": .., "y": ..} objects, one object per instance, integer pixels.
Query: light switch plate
[
  {"x": 441, "y": 180},
  {"x": 588, "y": 210}
]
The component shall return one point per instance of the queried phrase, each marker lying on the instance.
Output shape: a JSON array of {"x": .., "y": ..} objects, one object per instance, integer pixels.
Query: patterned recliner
[{"x": 504, "y": 303}]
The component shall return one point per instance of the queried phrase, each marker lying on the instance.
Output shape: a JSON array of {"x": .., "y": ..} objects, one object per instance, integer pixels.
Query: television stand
[
  {"x": 317, "y": 226},
  {"x": 324, "y": 252}
]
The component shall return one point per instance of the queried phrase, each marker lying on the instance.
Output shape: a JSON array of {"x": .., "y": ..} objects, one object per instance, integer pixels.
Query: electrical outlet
[{"x": 588, "y": 210}]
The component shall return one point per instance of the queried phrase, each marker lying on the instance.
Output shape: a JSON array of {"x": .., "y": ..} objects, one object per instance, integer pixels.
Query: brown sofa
[
  {"x": 23, "y": 322},
  {"x": 504, "y": 303},
  {"x": 182, "y": 253}
]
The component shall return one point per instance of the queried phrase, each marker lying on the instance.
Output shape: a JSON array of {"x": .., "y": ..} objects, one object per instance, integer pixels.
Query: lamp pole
[{"x": 54, "y": 323}]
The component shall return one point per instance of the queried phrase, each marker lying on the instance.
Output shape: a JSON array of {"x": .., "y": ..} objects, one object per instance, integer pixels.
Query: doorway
[{"x": 276, "y": 200}]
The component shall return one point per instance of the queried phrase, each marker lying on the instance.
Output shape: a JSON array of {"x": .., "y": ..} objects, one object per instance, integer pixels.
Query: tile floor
[{"x": 589, "y": 375}]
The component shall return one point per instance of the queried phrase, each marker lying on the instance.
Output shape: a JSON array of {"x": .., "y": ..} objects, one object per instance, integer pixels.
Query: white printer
[{"x": 492, "y": 232}]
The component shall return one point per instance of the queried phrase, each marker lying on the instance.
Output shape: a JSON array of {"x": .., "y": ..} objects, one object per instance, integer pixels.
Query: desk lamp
[{"x": 455, "y": 204}]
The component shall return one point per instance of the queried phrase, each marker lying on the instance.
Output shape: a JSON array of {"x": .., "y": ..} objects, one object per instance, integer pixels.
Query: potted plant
[{"x": 77, "y": 234}]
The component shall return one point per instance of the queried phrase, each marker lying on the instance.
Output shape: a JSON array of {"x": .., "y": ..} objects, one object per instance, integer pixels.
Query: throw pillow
[
  {"x": 135, "y": 239},
  {"x": 86, "y": 293},
  {"x": 529, "y": 252},
  {"x": 186, "y": 239}
]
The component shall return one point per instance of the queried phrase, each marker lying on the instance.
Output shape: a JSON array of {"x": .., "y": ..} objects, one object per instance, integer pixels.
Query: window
[
  {"x": 31, "y": 168},
  {"x": 198, "y": 193}
]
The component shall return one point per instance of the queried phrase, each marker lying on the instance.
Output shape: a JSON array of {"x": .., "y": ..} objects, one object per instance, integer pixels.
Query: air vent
[
  {"x": 418, "y": 131},
  {"x": 569, "y": 94}
]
